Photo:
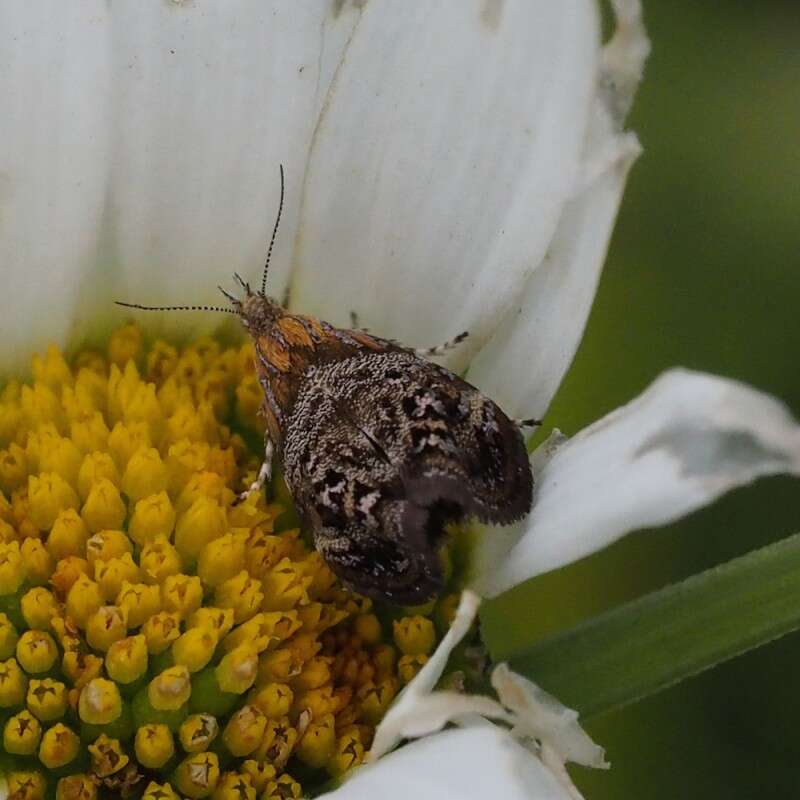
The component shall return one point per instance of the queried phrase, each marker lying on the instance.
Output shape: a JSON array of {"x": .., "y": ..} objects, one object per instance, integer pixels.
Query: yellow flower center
[{"x": 154, "y": 632}]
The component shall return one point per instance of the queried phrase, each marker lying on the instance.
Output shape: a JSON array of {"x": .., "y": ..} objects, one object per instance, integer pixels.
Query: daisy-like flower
[{"x": 450, "y": 166}]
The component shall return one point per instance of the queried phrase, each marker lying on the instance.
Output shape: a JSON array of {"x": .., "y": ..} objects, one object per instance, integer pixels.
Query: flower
[
  {"x": 480, "y": 179},
  {"x": 236, "y": 630}
]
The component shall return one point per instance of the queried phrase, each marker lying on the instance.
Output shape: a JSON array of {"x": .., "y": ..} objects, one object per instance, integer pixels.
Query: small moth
[{"x": 381, "y": 448}]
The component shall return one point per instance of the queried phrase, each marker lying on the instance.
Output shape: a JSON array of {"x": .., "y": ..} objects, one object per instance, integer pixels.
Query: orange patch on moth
[
  {"x": 312, "y": 322},
  {"x": 274, "y": 352},
  {"x": 294, "y": 332},
  {"x": 365, "y": 340}
]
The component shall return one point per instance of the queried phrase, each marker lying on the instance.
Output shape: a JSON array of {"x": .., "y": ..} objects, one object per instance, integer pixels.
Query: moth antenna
[
  {"x": 230, "y": 296},
  {"x": 176, "y": 308},
  {"x": 242, "y": 282},
  {"x": 274, "y": 233}
]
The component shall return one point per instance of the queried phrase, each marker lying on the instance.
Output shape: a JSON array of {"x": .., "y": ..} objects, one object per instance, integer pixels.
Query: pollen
[{"x": 157, "y": 635}]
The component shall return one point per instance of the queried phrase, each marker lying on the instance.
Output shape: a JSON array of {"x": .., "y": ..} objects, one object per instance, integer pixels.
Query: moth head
[{"x": 256, "y": 310}]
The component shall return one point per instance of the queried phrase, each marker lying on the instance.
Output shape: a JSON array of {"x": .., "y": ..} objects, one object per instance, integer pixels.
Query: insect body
[{"x": 380, "y": 447}]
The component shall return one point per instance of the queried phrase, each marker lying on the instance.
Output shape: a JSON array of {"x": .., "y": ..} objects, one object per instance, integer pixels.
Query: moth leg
[
  {"x": 354, "y": 322},
  {"x": 264, "y": 474},
  {"x": 527, "y": 423},
  {"x": 427, "y": 352}
]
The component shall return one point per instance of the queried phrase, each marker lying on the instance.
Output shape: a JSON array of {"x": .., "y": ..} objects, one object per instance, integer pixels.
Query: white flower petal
[
  {"x": 524, "y": 362},
  {"x": 477, "y": 762},
  {"x": 540, "y": 716},
  {"x": 681, "y": 444},
  {"x": 449, "y": 144},
  {"x": 407, "y": 714},
  {"x": 54, "y": 92},
  {"x": 211, "y": 98}
]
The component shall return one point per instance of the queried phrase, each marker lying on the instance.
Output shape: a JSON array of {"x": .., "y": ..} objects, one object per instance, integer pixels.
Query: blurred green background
[{"x": 703, "y": 271}]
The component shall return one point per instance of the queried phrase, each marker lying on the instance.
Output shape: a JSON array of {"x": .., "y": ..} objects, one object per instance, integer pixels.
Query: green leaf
[{"x": 660, "y": 639}]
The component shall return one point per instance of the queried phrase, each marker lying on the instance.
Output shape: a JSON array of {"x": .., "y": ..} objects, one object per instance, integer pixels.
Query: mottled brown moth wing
[{"x": 382, "y": 450}]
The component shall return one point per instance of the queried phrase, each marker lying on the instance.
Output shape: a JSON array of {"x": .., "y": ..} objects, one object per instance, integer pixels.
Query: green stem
[{"x": 660, "y": 639}]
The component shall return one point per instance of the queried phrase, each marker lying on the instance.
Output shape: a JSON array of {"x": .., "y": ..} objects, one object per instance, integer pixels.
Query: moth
[{"x": 382, "y": 449}]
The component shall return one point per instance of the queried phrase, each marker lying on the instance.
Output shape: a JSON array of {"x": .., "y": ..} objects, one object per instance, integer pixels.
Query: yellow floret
[
  {"x": 48, "y": 495},
  {"x": 415, "y": 635},
  {"x": 237, "y": 670},
  {"x": 12, "y": 571},
  {"x": 154, "y": 746},
  {"x": 160, "y": 361},
  {"x": 218, "y": 619},
  {"x": 274, "y": 700},
  {"x": 170, "y": 689},
  {"x": 96, "y": 467},
  {"x": 244, "y": 731},
  {"x": 197, "y": 775},
  {"x": 263, "y": 630},
  {"x": 368, "y": 627},
  {"x": 145, "y": 475},
  {"x": 26, "y": 785},
  {"x": 125, "y": 345},
  {"x": 182, "y": 594},
  {"x": 22, "y": 734},
  {"x": 200, "y": 524},
  {"x": 100, "y": 702},
  {"x": 259, "y": 772},
  {"x": 76, "y": 787},
  {"x": 284, "y": 787},
  {"x": 348, "y": 753},
  {"x": 184, "y": 459},
  {"x": 36, "y": 652},
  {"x": 51, "y": 369},
  {"x": 278, "y": 742},
  {"x": 104, "y": 507},
  {"x": 318, "y": 743},
  {"x": 139, "y": 601},
  {"x": 81, "y": 668},
  {"x": 8, "y": 637},
  {"x": 241, "y": 593},
  {"x": 59, "y": 746},
  {"x": 126, "y": 659},
  {"x": 143, "y": 406},
  {"x": 40, "y": 406},
  {"x": 197, "y": 732},
  {"x": 285, "y": 587},
  {"x": 47, "y": 699},
  {"x": 159, "y": 559},
  {"x": 106, "y": 626},
  {"x": 153, "y": 516},
  {"x": 195, "y": 648},
  {"x": 39, "y": 564},
  {"x": 160, "y": 791},
  {"x": 89, "y": 434},
  {"x": 112, "y": 574},
  {"x": 108, "y": 757},
  {"x": 67, "y": 572},
  {"x": 13, "y": 468},
  {"x": 107, "y": 544},
  {"x": 68, "y": 535},
  {"x": 221, "y": 559},
  {"x": 204, "y": 486},
  {"x": 125, "y": 439},
  {"x": 161, "y": 630},
  {"x": 62, "y": 457},
  {"x": 83, "y": 600},
  {"x": 408, "y": 666},
  {"x": 235, "y": 786}
]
